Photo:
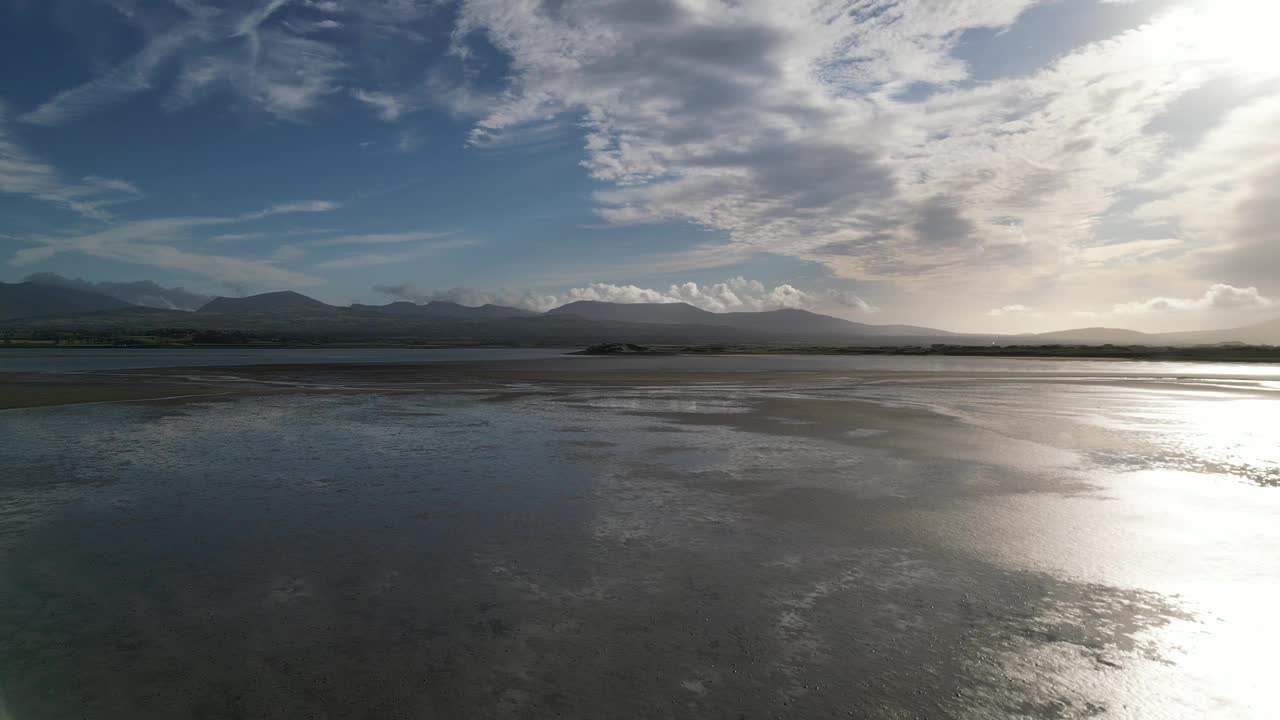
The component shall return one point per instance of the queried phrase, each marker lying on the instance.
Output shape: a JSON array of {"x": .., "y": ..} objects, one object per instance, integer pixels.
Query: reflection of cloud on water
[{"x": 822, "y": 546}]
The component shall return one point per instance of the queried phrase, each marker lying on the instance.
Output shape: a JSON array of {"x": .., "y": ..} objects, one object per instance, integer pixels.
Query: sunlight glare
[{"x": 1238, "y": 33}]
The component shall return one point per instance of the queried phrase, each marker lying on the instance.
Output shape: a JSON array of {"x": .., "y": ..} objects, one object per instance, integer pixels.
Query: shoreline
[{"x": 1247, "y": 354}]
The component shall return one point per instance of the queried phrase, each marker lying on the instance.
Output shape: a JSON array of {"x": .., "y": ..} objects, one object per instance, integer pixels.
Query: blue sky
[{"x": 977, "y": 164}]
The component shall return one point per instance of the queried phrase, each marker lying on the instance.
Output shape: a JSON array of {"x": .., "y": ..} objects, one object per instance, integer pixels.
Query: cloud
[
  {"x": 237, "y": 237},
  {"x": 850, "y": 133},
  {"x": 141, "y": 292},
  {"x": 470, "y": 296},
  {"x": 379, "y": 238},
  {"x": 149, "y": 242},
  {"x": 310, "y": 206},
  {"x": 231, "y": 269},
  {"x": 22, "y": 173},
  {"x": 130, "y": 77},
  {"x": 248, "y": 24},
  {"x": 801, "y": 129},
  {"x": 737, "y": 294},
  {"x": 265, "y": 60},
  {"x": 1014, "y": 310},
  {"x": 375, "y": 259},
  {"x": 853, "y": 301},
  {"x": 734, "y": 295},
  {"x": 262, "y": 235},
  {"x": 739, "y": 119},
  {"x": 1218, "y": 298},
  {"x": 281, "y": 73},
  {"x": 388, "y": 106},
  {"x": 408, "y": 142},
  {"x": 288, "y": 253},
  {"x": 1223, "y": 194}
]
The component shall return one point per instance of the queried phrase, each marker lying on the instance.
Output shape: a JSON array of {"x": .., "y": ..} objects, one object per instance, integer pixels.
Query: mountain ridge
[
  {"x": 290, "y": 313},
  {"x": 789, "y": 320},
  {"x": 30, "y": 300}
]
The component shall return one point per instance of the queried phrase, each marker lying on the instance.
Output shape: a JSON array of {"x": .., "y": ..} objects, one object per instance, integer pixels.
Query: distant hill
[
  {"x": 441, "y": 310},
  {"x": 39, "y": 308},
  {"x": 272, "y": 302},
  {"x": 138, "y": 292},
  {"x": 1267, "y": 333},
  {"x": 789, "y": 320},
  {"x": 786, "y": 321},
  {"x": 28, "y": 300},
  {"x": 1091, "y": 336},
  {"x": 657, "y": 313},
  {"x": 1263, "y": 333}
]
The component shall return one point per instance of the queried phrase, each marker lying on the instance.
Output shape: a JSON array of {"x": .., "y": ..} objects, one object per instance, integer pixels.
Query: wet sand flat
[{"x": 589, "y": 538}]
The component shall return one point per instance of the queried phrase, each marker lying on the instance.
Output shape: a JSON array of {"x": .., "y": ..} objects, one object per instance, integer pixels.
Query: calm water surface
[
  {"x": 91, "y": 360},
  {"x": 98, "y": 359},
  {"x": 933, "y": 544}
]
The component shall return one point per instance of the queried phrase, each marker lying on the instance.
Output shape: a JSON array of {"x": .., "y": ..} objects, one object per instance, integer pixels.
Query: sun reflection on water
[{"x": 1218, "y": 433}]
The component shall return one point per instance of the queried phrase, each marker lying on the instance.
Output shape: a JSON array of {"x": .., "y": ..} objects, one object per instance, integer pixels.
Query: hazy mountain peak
[
  {"x": 137, "y": 292},
  {"x": 32, "y": 299},
  {"x": 264, "y": 302}
]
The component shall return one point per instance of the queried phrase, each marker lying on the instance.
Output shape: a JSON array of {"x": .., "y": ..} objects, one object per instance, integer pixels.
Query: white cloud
[
  {"x": 237, "y": 237},
  {"x": 470, "y": 296},
  {"x": 265, "y": 61},
  {"x": 379, "y": 238},
  {"x": 784, "y": 127},
  {"x": 388, "y": 106},
  {"x": 1014, "y": 310},
  {"x": 283, "y": 74},
  {"x": 309, "y": 206},
  {"x": 1219, "y": 297},
  {"x": 328, "y": 6},
  {"x": 1224, "y": 195},
  {"x": 734, "y": 295},
  {"x": 846, "y": 132},
  {"x": 248, "y": 24}
]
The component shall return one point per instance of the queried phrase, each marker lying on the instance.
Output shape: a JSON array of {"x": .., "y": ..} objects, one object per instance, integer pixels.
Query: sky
[{"x": 978, "y": 165}]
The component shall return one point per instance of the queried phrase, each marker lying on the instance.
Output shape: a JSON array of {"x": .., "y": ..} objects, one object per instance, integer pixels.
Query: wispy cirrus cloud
[
  {"x": 309, "y": 206},
  {"x": 374, "y": 259},
  {"x": 379, "y": 238},
  {"x": 130, "y": 77},
  {"x": 389, "y": 107},
  {"x": 22, "y": 173},
  {"x": 244, "y": 48},
  {"x": 151, "y": 242}
]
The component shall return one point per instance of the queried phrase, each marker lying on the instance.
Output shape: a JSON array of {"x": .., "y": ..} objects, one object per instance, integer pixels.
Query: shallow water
[
  {"x": 933, "y": 546},
  {"x": 104, "y": 359},
  {"x": 98, "y": 359}
]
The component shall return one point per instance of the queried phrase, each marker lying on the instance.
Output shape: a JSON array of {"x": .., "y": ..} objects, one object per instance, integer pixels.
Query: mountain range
[{"x": 35, "y": 307}]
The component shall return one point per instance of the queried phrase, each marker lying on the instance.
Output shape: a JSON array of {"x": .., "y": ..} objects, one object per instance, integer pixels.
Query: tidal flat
[{"x": 641, "y": 537}]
